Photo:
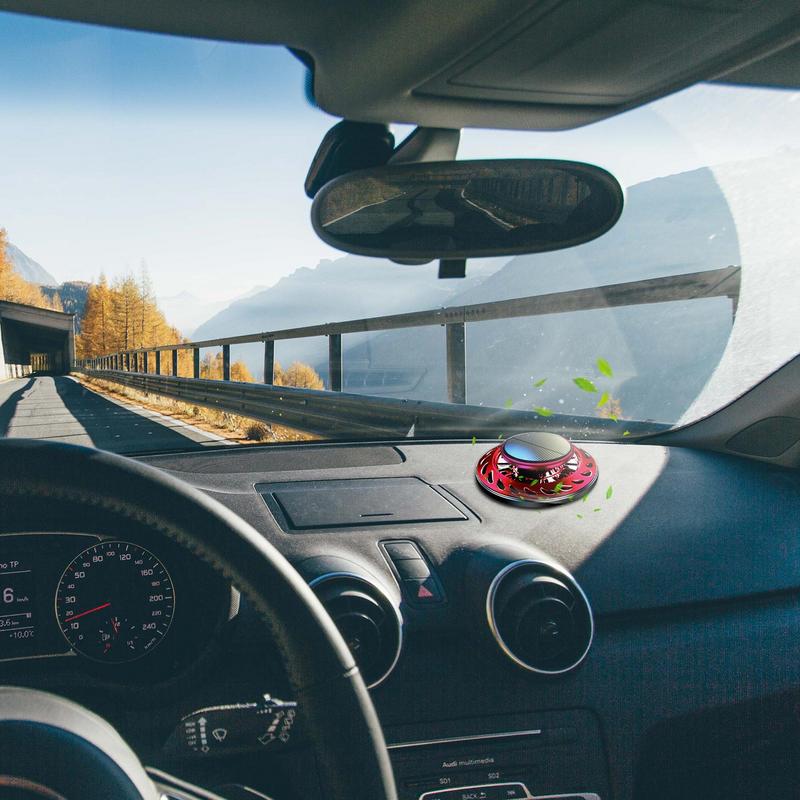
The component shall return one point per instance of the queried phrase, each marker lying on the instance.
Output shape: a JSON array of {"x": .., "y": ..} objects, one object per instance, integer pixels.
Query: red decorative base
[{"x": 536, "y": 468}]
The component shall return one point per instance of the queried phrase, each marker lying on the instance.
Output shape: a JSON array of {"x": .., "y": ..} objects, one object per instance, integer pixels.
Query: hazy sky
[{"x": 121, "y": 147}]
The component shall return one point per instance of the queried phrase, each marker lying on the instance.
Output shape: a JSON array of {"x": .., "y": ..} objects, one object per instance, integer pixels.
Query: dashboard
[{"x": 673, "y": 587}]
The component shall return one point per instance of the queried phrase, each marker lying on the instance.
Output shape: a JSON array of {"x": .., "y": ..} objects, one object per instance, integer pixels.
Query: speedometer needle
[{"x": 90, "y": 611}]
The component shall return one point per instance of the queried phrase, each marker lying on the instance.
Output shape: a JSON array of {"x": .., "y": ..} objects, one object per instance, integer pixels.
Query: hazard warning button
[
  {"x": 414, "y": 571},
  {"x": 422, "y": 591}
]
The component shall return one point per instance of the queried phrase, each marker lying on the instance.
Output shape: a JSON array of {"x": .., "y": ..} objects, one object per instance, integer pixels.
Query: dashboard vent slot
[
  {"x": 368, "y": 620},
  {"x": 540, "y": 617}
]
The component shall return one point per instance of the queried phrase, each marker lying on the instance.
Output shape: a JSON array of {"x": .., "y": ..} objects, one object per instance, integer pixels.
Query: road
[{"x": 61, "y": 409}]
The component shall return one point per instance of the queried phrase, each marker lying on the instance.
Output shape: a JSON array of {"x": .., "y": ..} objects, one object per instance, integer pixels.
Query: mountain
[
  {"x": 345, "y": 288},
  {"x": 186, "y": 312},
  {"x": 73, "y": 298},
  {"x": 27, "y": 267},
  {"x": 661, "y": 355}
]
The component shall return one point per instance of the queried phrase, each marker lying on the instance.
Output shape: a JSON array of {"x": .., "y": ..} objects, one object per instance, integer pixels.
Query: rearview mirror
[{"x": 465, "y": 209}]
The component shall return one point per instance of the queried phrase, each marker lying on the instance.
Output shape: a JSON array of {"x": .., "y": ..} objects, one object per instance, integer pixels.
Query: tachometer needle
[{"x": 84, "y": 613}]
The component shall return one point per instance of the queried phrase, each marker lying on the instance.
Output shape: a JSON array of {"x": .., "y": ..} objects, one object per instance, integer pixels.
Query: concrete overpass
[{"x": 35, "y": 340}]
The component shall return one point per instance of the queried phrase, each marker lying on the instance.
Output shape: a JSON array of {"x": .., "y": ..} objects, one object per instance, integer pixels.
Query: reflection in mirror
[{"x": 461, "y": 209}]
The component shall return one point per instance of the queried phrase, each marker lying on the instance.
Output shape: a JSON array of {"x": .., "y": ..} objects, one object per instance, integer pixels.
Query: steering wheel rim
[{"x": 59, "y": 487}]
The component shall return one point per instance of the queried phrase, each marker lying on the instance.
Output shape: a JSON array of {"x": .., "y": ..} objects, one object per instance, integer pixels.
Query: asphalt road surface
[{"x": 61, "y": 409}]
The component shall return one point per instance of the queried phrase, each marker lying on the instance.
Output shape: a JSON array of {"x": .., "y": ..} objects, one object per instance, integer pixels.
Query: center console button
[{"x": 495, "y": 791}]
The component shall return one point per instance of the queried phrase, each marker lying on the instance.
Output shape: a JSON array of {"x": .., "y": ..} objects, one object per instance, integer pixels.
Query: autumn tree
[
  {"x": 211, "y": 368},
  {"x": 124, "y": 316},
  {"x": 300, "y": 375},
  {"x": 96, "y": 332}
]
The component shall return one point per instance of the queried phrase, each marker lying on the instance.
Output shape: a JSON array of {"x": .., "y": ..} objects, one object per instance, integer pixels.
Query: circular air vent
[
  {"x": 540, "y": 617},
  {"x": 367, "y": 618}
]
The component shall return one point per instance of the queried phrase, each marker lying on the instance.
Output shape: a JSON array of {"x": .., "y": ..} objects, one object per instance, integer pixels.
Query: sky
[{"x": 123, "y": 148}]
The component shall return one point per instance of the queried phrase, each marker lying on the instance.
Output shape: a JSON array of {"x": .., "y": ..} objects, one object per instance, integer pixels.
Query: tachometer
[{"x": 115, "y": 602}]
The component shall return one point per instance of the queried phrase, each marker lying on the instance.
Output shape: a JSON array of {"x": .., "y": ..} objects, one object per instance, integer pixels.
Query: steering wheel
[{"x": 55, "y": 748}]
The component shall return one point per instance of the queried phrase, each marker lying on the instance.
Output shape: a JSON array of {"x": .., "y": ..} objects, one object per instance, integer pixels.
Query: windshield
[{"x": 153, "y": 188}]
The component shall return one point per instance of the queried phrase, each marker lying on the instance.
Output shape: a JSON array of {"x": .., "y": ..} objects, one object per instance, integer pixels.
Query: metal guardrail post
[
  {"x": 269, "y": 361},
  {"x": 335, "y": 362},
  {"x": 174, "y": 363},
  {"x": 146, "y": 362},
  {"x": 158, "y": 362},
  {"x": 226, "y": 362},
  {"x": 456, "y": 347},
  {"x": 195, "y": 362}
]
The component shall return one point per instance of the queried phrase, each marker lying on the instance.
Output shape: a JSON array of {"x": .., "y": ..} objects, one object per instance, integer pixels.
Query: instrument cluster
[{"x": 131, "y": 607}]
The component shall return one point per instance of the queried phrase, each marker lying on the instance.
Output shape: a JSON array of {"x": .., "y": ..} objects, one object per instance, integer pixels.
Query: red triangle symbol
[{"x": 424, "y": 592}]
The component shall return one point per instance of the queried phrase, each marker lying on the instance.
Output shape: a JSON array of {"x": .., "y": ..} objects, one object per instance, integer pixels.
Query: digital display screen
[{"x": 17, "y": 611}]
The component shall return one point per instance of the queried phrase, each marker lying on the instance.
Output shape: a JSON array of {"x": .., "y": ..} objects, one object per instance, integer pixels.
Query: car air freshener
[{"x": 536, "y": 468}]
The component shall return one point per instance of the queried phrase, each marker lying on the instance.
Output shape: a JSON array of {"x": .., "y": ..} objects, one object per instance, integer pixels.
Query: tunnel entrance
[{"x": 35, "y": 341}]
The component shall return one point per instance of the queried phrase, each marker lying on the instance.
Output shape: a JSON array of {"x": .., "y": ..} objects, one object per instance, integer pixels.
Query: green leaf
[
  {"x": 605, "y": 368},
  {"x": 543, "y": 412},
  {"x": 558, "y": 487},
  {"x": 613, "y": 417},
  {"x": 474, "y": 439},
  {"x": 534, "y": 481},
  {"x": 540, "y": 383},
  {"x": 585, "y": 498},
  {"x": 609, "y": 492},
  {"x": 579, "y": 516},
  {"x": 604, "y": 398},
  {"x": 584, "y": 384},
  {"x": 595, "y": 509},
  {"x": 626, "y": 433},
  {"x": 508, "y": 403},
  {"x": 500, "y": 436}
]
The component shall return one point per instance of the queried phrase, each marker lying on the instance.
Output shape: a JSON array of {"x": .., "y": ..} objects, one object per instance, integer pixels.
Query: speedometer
[{"x": 115, "y": 602}]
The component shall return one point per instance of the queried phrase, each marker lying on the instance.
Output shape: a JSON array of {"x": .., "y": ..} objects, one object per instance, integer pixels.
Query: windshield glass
[{"x": 153, "y": 187}]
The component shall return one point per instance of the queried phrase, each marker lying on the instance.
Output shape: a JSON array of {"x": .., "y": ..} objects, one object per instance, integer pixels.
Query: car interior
[{"x": 442, "y": 601}]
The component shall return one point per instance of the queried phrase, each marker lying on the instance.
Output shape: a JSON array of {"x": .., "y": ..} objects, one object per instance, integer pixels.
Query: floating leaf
[
  {"x": 613, "y": 417},
  {"x": 508, "y": 403},
  {"x": 474, "y": 439},
  {"x": 500, "y": 436},
  {"x": 540, "y": 383},
  {"x": 584, "y": 384},
  {"x": 543, "y": 412},
  {"x": 534, "y": 481},
  {"x": 579, "y": 516},
  {"x": 595, "y": 509},
  {"x": 626, "y": 433},
  {"x": 558, "y": 487},
  {"x": 609, "y": 492},
  {"x": 605, "y": 368},
  {"x": 585, "y": 498},
  {"x": 604, "y": 398}
]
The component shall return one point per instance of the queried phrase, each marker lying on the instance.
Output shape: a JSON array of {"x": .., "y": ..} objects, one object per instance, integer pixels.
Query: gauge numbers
[{"x": 115, "y": 602}]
